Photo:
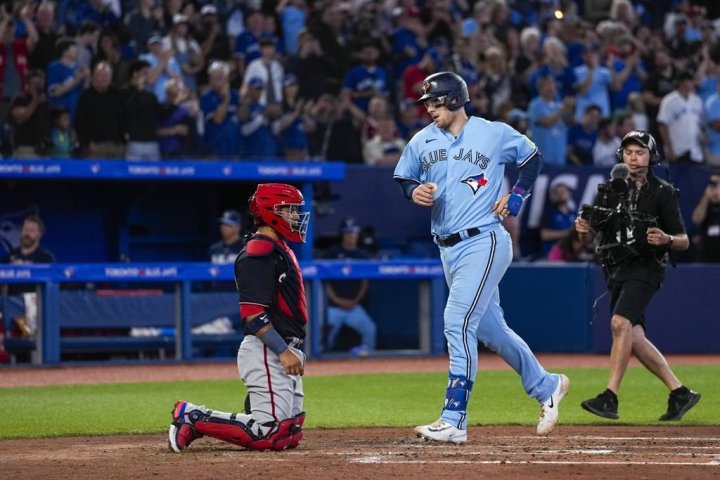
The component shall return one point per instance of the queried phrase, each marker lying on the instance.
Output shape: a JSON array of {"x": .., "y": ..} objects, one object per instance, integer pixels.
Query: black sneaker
[
  {"x": 604, "y": 405},
  {"x": 679, "y": 402}
]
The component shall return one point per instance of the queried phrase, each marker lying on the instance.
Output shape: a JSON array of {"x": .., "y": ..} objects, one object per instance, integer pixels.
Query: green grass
[{"x": 398, "y": 400}]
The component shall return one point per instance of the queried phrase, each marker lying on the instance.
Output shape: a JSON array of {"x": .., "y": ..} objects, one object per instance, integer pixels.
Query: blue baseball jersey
[{"x": 469, "y": 170}]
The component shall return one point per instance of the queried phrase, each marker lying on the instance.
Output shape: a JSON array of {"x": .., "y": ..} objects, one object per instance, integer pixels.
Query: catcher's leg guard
[{"x": 232, "y": 431}]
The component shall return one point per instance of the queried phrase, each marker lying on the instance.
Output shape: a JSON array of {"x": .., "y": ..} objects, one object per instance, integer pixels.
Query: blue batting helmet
[{"x": 446, "y": 84}]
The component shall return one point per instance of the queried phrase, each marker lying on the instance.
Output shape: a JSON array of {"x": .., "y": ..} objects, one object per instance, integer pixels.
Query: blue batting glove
[{"x": 515, "y": 202}]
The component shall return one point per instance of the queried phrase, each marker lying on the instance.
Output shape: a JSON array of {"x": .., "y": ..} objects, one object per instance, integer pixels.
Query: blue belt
[{"x": 455, "y": 238}]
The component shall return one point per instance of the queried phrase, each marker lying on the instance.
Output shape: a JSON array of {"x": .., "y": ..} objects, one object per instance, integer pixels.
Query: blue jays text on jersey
[
  {"x": 433, "y": 156},
  {"x": 469, "y": 170}
]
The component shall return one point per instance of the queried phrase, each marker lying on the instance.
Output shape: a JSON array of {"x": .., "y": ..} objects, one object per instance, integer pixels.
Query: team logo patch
[
  {"x": 475, "y": 182},
  {"x": 425, "y": 87}
]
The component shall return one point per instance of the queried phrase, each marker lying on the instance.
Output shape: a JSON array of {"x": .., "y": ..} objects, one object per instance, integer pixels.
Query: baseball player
[
  {"x": 456, "y": 166},
  {"x": 272, "y": 304}
]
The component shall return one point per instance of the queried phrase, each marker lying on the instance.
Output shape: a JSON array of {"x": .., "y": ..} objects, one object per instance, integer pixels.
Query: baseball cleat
[
  {"x": 441, "y": 431},
  {"x": 549, "y": 412},
  {"x": 181, "y": 433},
  {"x": 679, "y": 402}
]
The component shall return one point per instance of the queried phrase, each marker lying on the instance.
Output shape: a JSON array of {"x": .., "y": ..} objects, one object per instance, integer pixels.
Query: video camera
[{"x": 623, "y": 228}]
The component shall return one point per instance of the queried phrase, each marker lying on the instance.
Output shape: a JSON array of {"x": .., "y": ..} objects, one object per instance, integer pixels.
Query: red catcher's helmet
[{"x": 278, "y": 206}]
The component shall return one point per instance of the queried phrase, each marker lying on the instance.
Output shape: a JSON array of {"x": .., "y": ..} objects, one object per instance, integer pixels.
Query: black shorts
[{"x": 630, "y": 298}]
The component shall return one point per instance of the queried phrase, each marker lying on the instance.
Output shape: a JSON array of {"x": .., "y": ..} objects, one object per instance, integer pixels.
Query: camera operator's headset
[{"x": 645, "y": 139}]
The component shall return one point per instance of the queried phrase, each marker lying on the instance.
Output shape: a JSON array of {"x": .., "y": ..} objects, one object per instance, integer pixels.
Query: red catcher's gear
[{"x": 278, "y": 206}]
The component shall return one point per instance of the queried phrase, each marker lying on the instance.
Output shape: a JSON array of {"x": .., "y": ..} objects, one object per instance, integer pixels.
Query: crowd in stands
[{"x": 338, "y": 79}]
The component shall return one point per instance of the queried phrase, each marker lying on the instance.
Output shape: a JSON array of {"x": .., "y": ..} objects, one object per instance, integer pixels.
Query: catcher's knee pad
[
  {"x": 458, "y": 393},
  {"x": 287, "y": 435}
]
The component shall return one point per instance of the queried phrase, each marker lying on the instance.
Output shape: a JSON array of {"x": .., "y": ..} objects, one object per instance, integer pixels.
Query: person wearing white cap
[
  {"x": 163, "y": 66},
  {"x": 187, "y": 51}
]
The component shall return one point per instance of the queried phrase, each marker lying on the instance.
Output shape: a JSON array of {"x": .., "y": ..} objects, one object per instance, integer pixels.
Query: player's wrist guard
[
  {"x": 271, "y": 338},
  {"x": 515, "y": 202}
]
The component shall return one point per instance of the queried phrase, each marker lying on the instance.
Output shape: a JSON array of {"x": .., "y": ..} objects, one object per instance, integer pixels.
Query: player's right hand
[
  {"x": 582, "y": 225},
  {"x": 424, "y": 195},
  {"x": 292, "y": 364}
]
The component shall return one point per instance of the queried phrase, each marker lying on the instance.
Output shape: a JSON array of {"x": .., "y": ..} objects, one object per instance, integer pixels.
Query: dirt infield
[
  {"x": 611, "y": 452},
  {"x": 492, "y": 452}
]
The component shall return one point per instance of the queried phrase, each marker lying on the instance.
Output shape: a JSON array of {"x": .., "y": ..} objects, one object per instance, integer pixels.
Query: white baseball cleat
[
  {"x": 549, "y": 413},
  {"x": 441, "y": 431}
]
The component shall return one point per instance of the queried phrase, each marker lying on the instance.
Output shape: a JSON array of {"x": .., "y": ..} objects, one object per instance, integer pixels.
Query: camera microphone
[
  {"x": 620, "y": 171},
  {"x": 618, "y": 179}
]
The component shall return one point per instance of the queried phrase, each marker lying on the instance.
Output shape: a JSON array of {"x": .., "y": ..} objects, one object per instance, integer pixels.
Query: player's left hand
[{"x": 500, "y": 208}]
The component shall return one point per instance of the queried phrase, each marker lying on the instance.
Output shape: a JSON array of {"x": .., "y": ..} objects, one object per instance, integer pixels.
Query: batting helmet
[
  {"x": 644, "y": 139},
  {"x": 278, "y": 206},
  {"x": 446, "y": 84}
]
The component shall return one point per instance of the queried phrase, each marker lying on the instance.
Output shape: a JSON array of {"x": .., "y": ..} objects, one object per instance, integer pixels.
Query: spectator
[
  {"x": 660, "y": 82},
  {"x": 559, "y": 217},
  {"x": 141, "y": 116},
  {"x": 29, "y": 251},
  {"x": 409, "y": 122},
  {"x": 337, "y": 136},
  {"x": 638, "y": 112},
  {"x": 255, "y": 120},
  {"x": 317, "y": 73},
  {"x": 270, "y": 71},
  {"x": 214, "y": 42},
  {"x": 31, "y": 118},
  {"x": 627, "y": 70},
  {"x": 142, "y": 23},
  {"x": 625, "y": 124},
  {"x": 518, "y": 119},
  {"x": 385, "y": 147},
  {"x": 227, "y": 248},
  {"x": 593, "y": 84},
  {"x": 219, "y": 107},
  {"x": 569, "y": 249},
  {"x": 186, "y": 50},
  {"x": 496, "y": 80},
  {"x": 292, "y": 15},
  {"x": 65, "y": 79},
  {"x": 604, "y": 151},
  {"x": 345, "y": 296},
  {"x": 526, "y": 62},
  {"x": 63, "y": 136},
  {"x": 99, "y": 120},
  {"x": 680, "y": 121},
  {"x": 366, "y": 80},
  {"x": 177, "y": 122},
  {"x": 14, "y": 56},
  {"x": 706, "y": 216},
  {"x": 548, "y": 125},
  {"x": 44, "y": 51},
  {"x": 409, "y": 41},
  {"x": 582, "y": 137},
  {"x": 712, "y": 127},
  {"x": 327, "y": 29},
  {"x": 109, "y": 51},
  {"x": 86, "y": 42},
  {"x": 247, "y": 44},
  {"x": 163, "y": 66},
  {"x": 555, "y": 64},
  {"x": 97, "y": 12},
  {"x": 291, "y": 129},
  {"x": 378, "y": 110},
  {"x": 413, "y": 76}
]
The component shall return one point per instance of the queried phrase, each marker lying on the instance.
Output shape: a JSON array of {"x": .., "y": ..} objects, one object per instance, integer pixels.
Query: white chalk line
[{"x": 380, "y": 460}]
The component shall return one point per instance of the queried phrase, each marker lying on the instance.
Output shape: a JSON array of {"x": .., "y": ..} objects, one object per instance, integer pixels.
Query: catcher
[{"x": 272, "y": 304}]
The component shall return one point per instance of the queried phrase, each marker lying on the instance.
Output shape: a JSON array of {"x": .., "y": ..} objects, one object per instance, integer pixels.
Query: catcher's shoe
[
  {"x": 441, "y": 431},
  {"x": 680, "y": 401},
  {"x": 181, "y": 433},
  {"x": 549, "y": 413}
]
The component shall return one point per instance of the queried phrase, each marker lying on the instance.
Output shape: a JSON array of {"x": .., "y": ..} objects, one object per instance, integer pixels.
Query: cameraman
[{"x": 635, "y": 267}]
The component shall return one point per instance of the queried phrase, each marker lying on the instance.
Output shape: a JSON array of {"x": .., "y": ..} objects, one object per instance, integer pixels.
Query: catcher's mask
[{"x": 278, "y": 206}]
